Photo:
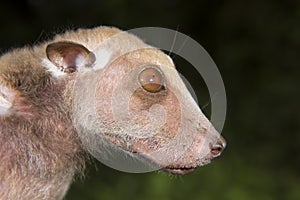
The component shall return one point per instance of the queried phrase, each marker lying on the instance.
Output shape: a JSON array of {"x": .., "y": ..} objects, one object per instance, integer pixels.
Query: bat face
[
  {"x": 152, "y": 115},
  {"x": 101, "y": 91}
]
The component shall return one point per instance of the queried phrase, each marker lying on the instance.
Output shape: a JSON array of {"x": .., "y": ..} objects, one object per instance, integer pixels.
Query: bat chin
[{"x": 179, "y": 171}]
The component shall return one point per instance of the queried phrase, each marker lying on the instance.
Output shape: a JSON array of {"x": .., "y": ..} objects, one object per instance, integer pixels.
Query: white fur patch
[
  {"x": 80, "y": 60},
  {"x": 52, "y": 68},
  {"x": 5, "y": 105},
  {"x": 103, "y": 57}
]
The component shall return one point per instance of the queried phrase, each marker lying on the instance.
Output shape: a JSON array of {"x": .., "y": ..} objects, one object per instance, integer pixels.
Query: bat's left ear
[{"x": 69, "y": 57}]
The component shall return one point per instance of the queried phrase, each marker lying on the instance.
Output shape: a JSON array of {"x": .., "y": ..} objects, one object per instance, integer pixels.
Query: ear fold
[{"x": 68, "y": 57}]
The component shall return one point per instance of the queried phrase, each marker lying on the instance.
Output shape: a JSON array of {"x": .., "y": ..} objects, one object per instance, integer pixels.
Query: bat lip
[
  {"x": 179, "y": 170},
  {"x": 186, "y": 169}
]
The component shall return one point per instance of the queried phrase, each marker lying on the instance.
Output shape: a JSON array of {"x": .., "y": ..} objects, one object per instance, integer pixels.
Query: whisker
[
  {"x": 205, "y": 105},
  {"x": 173, "y": 42},
  {"x": 213, "y": 97},
  {"x": 183, "y": 44}
]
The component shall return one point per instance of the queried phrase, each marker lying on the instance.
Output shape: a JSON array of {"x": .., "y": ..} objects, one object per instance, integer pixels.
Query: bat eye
[{"x": 151, "y": 79}]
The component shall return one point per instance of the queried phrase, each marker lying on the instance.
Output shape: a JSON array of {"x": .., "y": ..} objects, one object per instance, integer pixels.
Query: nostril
[
  {"x": 218, "y": 147},
  {"x": 216, "y": 150}
]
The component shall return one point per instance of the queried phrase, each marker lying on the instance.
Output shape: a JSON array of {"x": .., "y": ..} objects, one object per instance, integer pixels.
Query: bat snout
[{"x": 218, "y": 147}]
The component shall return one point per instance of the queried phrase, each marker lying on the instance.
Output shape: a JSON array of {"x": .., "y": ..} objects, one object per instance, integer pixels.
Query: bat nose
[{"x": 218, "y": 147}]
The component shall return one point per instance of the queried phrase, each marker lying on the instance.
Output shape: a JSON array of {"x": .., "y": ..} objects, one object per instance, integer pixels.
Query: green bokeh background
[{"x": 255, "y": 44}]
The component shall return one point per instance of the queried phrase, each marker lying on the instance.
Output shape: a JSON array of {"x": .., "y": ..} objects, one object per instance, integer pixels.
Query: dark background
[{"x": 255, "y": 44}]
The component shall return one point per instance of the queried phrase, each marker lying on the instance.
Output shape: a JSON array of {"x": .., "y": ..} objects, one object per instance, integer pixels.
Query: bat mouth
[
  {"x": 179, "y": 170},
  {"x": 186, "y": 169}
]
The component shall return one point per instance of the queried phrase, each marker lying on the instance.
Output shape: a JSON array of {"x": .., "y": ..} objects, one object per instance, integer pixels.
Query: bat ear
[{"x": 68, "y": 57}]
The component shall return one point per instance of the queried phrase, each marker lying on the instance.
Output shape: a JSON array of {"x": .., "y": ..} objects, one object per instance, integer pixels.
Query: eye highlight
[{"x": 151, "y": 79}]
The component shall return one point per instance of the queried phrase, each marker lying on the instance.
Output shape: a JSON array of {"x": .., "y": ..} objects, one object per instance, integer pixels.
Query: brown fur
[{"x": 38, "y": 146}]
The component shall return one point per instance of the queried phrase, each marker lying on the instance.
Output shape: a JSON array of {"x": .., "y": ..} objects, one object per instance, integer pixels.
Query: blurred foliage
[{"x": 256, "y": 45}]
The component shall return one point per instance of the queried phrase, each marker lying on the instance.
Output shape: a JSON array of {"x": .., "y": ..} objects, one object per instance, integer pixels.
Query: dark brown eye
[{"x": 151, "y": 79}]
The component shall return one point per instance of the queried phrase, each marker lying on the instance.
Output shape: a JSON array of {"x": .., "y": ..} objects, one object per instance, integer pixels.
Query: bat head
[{"x": 128, "y": 103}]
